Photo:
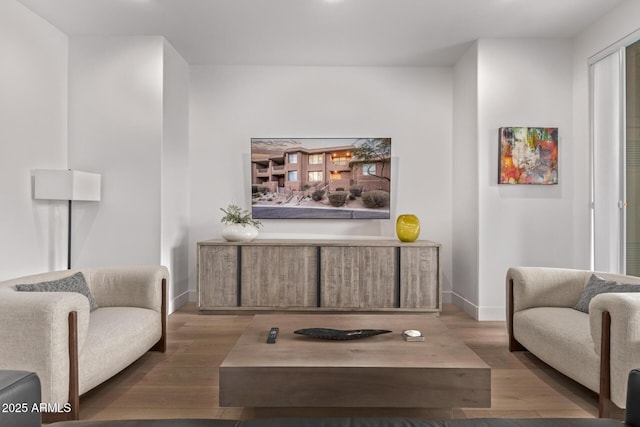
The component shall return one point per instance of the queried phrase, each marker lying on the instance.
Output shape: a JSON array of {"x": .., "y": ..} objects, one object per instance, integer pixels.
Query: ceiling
[{"x": 323, "y": 32}]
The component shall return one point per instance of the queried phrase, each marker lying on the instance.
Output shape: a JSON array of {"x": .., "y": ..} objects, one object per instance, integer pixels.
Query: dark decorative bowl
[{"x": 337, "y": 334}]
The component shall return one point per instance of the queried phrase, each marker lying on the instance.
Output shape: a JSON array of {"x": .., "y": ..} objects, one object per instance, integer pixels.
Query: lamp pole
[
  {"x": 69, "y": 238},
  {"x": 69, "y": 185}
]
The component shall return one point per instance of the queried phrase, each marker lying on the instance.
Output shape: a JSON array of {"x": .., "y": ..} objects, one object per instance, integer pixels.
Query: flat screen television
[{"x": 329, "y": 178}]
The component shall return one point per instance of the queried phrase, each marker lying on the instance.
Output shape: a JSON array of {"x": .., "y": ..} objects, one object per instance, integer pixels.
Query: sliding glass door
[
  {"x": 632, "y": 161},
  {"x": 607, "y": 186},
  {"x": 615, "y": 118}
]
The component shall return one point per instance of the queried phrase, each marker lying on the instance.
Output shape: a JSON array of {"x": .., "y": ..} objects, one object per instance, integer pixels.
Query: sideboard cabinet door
[
  {"x": 279, "y": 276},
  {"x": 358, "y": 277},
  {"x": 419, "y": 277},
  {"x": 217, "y": 277},
  {"x": 339, "y": 277}
]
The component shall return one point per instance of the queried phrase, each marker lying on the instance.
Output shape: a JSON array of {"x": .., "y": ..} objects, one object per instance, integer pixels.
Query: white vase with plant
[{"x": 240, "y": 227}]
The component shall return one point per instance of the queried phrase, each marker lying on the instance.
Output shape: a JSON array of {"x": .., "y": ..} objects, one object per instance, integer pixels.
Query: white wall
[
  {"x": 115, "y": 129},
  {"x": 230, "y": 105},
  {"x": 514, "y": 82},
  {"x": 33, "y": 135},
  {"x": 607, "y": 31},
  {"x": 465, "y": 182},
  {"x": 175, "y": 174},
  {"x": 128, "y": 121},
  {"x": 522, "y": 83}
]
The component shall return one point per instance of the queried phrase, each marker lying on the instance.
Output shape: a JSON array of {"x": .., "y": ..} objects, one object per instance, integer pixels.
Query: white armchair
[
  {"x": 598, "y": 349},
  {"x": 73, "y": 349}
]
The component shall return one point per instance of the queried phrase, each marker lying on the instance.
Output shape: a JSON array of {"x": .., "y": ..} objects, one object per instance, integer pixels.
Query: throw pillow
[
  {"x": 597, "y": 285},
  {"x": 75, "y": 283}
]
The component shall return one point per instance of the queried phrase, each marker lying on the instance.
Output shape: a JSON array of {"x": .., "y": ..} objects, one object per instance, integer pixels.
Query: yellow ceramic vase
[{"x": 408, "y": 228}]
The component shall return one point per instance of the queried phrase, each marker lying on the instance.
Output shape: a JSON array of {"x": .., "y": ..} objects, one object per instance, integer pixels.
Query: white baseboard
[
  {"x": 478, "y": 312},
  {"x": 492, "y": 314},
  {"x": 193, "y": 295},
  {"x": 178, "y": 301},
  {"x": 446, "y": 297},
  {"x": 465, "y": 305}
]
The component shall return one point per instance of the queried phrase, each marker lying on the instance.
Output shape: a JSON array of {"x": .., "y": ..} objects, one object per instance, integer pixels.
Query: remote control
[{"x": 273, "y": 334}]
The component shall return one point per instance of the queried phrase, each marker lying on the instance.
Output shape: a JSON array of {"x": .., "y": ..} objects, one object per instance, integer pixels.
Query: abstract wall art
[{"x": 528, "y": 155}]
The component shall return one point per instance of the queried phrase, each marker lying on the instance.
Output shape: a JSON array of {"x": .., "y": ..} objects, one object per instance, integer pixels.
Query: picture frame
[{"x": 528, "y": 155}]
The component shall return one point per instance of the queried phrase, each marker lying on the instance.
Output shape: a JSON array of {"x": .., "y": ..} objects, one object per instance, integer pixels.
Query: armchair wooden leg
[
  {"x": 161, "y": 345},
  {"x": 604, "y": 398},
  {"x": 74, "y": 388},
  {"x": 514, "y": 345},
  {"x": 606, "y": 408}
]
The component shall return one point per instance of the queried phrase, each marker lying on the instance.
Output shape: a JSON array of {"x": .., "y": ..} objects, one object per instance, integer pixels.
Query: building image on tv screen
[{"x": 342, "y": 178}]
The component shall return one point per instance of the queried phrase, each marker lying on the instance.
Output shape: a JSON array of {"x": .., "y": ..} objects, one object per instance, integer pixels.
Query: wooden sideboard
[{"x": 317, "y": 275}]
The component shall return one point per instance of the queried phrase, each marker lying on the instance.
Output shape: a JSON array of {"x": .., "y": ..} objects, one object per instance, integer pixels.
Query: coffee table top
[{"x": 440, "y": 349}]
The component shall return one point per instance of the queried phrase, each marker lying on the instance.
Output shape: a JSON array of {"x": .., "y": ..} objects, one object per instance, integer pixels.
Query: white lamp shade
[{"x": 54, "y": 184}]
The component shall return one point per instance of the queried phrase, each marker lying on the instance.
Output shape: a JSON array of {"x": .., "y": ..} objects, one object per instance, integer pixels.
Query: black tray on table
[{"x": 341, "y": 335}]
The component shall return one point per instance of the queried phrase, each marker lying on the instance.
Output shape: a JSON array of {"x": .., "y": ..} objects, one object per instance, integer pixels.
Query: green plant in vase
[{"x": 239, "y": 226}]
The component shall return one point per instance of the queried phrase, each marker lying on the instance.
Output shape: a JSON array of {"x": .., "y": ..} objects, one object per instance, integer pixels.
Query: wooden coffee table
[{"x": 379, "y": 371}]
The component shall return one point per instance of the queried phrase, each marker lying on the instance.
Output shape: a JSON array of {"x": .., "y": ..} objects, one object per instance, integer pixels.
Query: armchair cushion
[
  {"x": 74, "y": 283},
  {"x": 597, "y": 285},
  {"x": 554, "y": 333}
]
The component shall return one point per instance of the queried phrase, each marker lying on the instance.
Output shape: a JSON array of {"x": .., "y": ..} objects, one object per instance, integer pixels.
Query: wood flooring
[{"x": 183, "y": 382}]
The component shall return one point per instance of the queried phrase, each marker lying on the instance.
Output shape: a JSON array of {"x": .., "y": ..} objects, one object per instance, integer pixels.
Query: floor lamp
[{"x": 70, "y": 185}]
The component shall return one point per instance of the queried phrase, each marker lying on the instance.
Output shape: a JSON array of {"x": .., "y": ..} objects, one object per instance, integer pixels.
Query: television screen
[{"x": 345, "y": 178}]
